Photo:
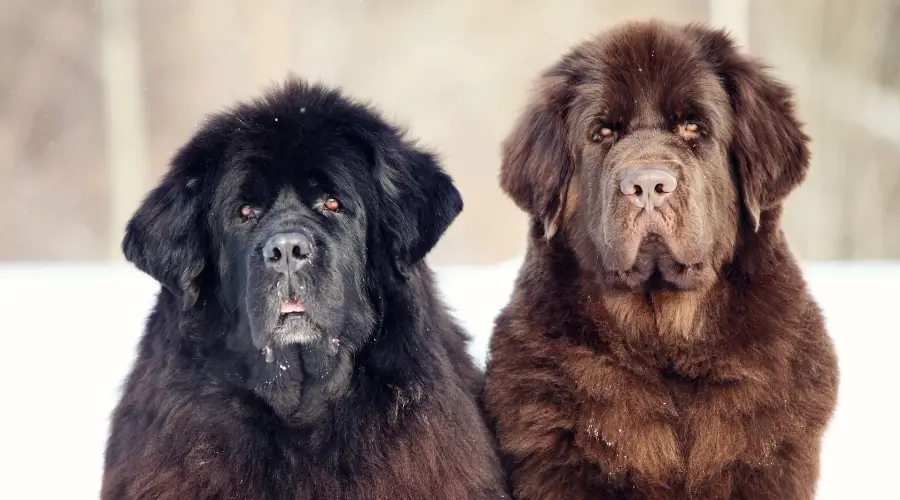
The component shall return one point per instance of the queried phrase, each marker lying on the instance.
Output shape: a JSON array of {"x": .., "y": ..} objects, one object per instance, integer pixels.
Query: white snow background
[{"x": 69, "y": 336}]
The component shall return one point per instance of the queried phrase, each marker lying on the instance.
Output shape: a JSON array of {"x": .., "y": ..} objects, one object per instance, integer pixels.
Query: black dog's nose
[
  {"x": 286, "y": 252},
  {"x": 648, "y": 187}
]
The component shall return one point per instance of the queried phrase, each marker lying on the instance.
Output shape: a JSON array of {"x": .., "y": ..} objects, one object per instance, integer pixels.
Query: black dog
[{"x": 298, "y": 349}]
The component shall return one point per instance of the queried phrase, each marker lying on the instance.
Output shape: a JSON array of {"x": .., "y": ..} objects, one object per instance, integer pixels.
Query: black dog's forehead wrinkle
[
  {"x": 260, "y": 182},
  {"x": 291, "y": 210}
]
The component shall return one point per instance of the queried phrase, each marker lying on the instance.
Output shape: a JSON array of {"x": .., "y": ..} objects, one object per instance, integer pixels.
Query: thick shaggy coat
[
  {"x": 660, "y": 342},
  {"x": 298, "y": 349}
]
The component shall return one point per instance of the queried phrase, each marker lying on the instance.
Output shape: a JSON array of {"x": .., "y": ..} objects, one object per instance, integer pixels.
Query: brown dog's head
[{"x": 650, "y": 148}]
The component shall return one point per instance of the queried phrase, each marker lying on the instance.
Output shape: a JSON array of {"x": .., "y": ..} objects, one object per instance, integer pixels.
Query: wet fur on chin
[
  {"x": 380, "y": 399},
  {"x": 601, "y": 388}
]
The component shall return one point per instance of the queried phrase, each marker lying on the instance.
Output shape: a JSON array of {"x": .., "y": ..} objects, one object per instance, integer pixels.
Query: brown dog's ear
[
  {"x": 768, "y": 146},
  {"x": 537, "y": 158}
]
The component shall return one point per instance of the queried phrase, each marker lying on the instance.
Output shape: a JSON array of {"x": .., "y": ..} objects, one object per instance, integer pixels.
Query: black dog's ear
[
  {"x": 768, "y": 148},
  {"x": 419, "y": 200},
  {"x": 167, "y": 237},
  {"x": 537, "y": 157}
]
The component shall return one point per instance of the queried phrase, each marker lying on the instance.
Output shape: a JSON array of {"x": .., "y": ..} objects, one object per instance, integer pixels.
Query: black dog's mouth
[
  {"x": 291, "y": 308},
  {"x": 292, "y": 324}
]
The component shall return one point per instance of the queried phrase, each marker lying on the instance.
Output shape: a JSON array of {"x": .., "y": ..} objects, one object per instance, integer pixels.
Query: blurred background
[{"x": 95, "y": 95}]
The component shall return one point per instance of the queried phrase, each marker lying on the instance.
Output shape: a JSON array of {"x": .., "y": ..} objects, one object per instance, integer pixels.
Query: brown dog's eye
[
  {"x": 689, "y": 130},
  {"x": 332, "y": 205},
  {"x": 602, "y": 133},
  {"x": 247, "y": 212}
]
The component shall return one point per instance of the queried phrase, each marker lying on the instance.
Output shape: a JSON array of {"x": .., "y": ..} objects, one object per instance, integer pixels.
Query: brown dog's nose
[{"x": 648, "y": 187}]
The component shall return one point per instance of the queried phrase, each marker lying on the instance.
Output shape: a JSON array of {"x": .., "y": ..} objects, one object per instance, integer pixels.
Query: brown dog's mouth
[
  {"x": 682, "y": 277},
  {"x": 663, "y": 276},
  {"x": 656, "y": 269}
]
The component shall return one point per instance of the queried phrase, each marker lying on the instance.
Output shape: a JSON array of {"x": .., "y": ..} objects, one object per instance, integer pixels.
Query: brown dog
[{"x": 661, "y": 342}]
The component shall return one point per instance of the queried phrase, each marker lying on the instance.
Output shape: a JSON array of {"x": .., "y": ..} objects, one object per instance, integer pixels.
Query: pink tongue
[{"x": 292, "y": 306}]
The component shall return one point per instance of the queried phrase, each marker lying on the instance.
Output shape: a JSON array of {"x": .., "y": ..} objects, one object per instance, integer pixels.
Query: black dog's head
[{"x": 289, "y": 213}]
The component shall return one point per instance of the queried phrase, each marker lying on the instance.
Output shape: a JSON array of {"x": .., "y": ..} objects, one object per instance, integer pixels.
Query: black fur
[{"x": 368, "y": 394}]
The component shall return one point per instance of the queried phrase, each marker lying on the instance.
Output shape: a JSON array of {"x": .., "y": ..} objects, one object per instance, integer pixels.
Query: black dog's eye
[
  {"x": 247, "y": 212},
  {"x": 602, "y": 133},
  {"x": 332, "y": 205}
]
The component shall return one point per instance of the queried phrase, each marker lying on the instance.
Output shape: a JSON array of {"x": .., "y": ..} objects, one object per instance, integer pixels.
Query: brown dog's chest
[
  {"x": 680, "y": 387},
  {"x": 643, "y": 424}
]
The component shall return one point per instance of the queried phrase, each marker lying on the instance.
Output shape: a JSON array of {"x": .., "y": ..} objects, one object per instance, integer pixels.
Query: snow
[{"x": 70, "y": 334}]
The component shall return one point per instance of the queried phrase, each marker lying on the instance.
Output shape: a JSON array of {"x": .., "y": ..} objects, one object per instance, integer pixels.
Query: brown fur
[{"x": 672, "y": 357}]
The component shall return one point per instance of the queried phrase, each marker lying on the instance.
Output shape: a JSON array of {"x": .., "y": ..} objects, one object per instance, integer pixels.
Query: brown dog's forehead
[
  {"x": 634, "y": 51},
  {"x": 639, "y": 70}
]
